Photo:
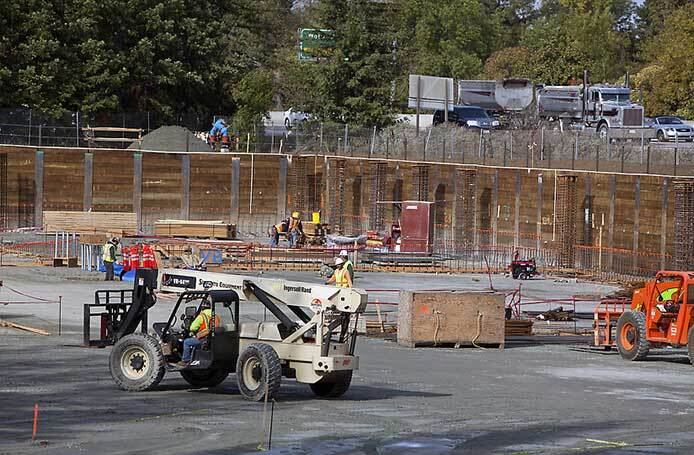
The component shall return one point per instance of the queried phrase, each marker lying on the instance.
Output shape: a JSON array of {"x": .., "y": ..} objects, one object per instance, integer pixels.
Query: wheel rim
[
  {"x": 252, "y": 373},
  {"x": 602, "y": 132},
  {"x": 135, "y": 363},
  {"x": 627, "y": 336}
]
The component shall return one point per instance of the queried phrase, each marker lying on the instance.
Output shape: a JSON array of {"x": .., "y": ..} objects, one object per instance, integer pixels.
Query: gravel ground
[{"x": 545, "y": 399}]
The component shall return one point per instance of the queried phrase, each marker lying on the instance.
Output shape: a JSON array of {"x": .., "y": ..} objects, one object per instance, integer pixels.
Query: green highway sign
[{"x": 315, "y": 44}]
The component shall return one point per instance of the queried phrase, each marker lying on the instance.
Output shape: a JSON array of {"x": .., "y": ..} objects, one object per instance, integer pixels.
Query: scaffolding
[
  {"x": 378, "y": 174},
  {"x": 466, "y": 206},
  {"x": 566, "y": 220},
  {"x": 420, "y": 186},
  {"x": 684, "y": 225},
  {"x": 4, "y": 216},
  {"x": 298, "y": 184}
]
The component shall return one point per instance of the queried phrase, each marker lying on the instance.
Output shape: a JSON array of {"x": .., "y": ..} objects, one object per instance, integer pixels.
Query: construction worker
[
  {"x": 199, "y": 329},
  {"x": 276, "y": 230},
  {"x": 295, "y": 230},
  {"x": 217, "y": 130},
  {"x": 348, "y": 264},
  {"x": 108, "y": 256},
  {"x": 341, "y": 276}
]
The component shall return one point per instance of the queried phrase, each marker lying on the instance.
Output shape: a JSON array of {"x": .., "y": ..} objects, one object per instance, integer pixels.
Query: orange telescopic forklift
[{"x": 661, "y": 314}]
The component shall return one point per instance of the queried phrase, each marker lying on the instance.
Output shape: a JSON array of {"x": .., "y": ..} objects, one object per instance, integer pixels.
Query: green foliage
[
  {"x": 168, "y": 57},
  {"x": 437, "y": 39},
  {"x": 668, "y": 80},
  {"x": 253, "y": 95},
  {"x": 236, "y": 57}
]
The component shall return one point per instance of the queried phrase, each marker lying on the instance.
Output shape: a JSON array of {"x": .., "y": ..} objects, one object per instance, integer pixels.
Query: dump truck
[{"x": 312, "y": 337}]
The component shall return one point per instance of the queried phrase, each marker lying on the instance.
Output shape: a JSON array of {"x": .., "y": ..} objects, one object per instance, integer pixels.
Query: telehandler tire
[
  {"x": 204, "y": 378},
  {"x": 137, "y": 363},
  {"x": 632, "y": 340},
  {"x": 334, "y": 385},
  {"x": 258, "y": 369}
]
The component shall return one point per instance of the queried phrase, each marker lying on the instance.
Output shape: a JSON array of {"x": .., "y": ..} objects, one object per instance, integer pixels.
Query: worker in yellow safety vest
[
  {"x": 348, "y": 264},
  {"x": 108, "y": 256},
  {"x": 199, "y": 329},
  {"x": 341, "y": 276}
]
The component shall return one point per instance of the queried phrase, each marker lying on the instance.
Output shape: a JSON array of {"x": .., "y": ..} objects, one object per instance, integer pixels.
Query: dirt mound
[{"x": 171, "y": 139}]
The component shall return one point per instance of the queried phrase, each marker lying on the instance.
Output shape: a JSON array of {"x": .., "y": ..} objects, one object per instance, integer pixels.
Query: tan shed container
[{"x": 432, "y": 318}]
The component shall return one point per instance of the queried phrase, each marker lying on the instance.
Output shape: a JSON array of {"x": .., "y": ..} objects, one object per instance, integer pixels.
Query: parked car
[
  {"x": 670, "y": 128},
  {"x": 292, "y": 117},
  {"x": 467, "y": 116}
]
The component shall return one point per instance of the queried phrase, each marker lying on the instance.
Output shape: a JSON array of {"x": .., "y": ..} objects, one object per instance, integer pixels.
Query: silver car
[{"x": 669, "y": 128}]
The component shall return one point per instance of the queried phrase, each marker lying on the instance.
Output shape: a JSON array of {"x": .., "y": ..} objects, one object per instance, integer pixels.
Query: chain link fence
[{"x": 542, "y": 147}]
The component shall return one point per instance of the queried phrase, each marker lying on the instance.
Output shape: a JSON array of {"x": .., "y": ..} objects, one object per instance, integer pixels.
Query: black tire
[
  {"x": 632, "y": 341},
  {"x": 690, "y": 346},
  {"x": 137, "y": 363},
  {"x": 602, "y": 130},
  {"x": 523, "y": 276},
  {"x": 287, "y": 124},
  {"x": 334, "y": 385},
  {"x": 661, "y": 136},
  {"x": 204, "y": 378},
  {"x": 258, "y": 369}
]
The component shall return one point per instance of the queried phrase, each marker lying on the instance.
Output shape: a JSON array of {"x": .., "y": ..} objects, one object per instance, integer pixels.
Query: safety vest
[
  {"x": 668, "y": 294},
  {"x": 349, "y": 267},
  {"x": 204, "y": 329},
  {"x": 106, "y": 255},
  {"x": 341, "y": 275}
]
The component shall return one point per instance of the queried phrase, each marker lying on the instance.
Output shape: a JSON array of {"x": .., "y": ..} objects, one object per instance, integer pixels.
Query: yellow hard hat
[{"x": 295, "y": 215}]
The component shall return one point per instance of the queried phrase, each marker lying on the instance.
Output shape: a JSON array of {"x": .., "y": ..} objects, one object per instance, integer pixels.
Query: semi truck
[{"x": 606, "y": 108}]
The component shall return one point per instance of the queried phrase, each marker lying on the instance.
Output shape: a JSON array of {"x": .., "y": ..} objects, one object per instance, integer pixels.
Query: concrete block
[{"x": 431, "y": 318}]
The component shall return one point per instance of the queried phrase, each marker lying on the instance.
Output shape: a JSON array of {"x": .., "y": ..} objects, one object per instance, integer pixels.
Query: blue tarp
[{"x": 117, "y": 268}]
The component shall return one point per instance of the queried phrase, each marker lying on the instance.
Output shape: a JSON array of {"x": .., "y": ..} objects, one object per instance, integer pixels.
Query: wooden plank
[
  {"x": 13, "y": 325},
  {"x": 119, "y": 223},
  {"x": 185, "y": 228}
]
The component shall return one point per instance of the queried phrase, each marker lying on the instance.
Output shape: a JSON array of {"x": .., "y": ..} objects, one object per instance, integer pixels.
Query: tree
[
  {"x": 354, "y": 85},
  {"x": 518, "y": 61},
  {"x": 437, "y": 39},
  {"x": 668, "y": 80}
]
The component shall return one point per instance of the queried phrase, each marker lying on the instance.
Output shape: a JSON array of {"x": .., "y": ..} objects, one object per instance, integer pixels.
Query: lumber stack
[
  {"x": 453, "y": 318},
  {"x": 519, "y": 327},
  {"x": 109, "y": 223},
  {"x": 200, "y": 229}
]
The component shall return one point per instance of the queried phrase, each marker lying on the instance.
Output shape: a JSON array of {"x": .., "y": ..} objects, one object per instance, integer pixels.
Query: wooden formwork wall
[
  {"x": 112, "y": 185},
  {"x": 210, "y": 187}
]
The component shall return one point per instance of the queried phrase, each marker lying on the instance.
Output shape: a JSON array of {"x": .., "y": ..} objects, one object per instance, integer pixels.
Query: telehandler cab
[{"x": 315, "y": 345}]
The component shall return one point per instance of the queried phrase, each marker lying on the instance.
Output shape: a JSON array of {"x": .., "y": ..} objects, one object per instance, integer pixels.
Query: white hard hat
[
  {"x": 339, "y": 261},
  {"x": 343, "y": 253}
]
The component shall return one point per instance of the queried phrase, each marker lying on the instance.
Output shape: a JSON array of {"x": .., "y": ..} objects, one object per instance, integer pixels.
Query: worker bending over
[
  {"x": 108, "y": 256},
  {"x": 276, "y": 230},
  {"x": 341, "y": 276},
  {"x": 199, "y": 329},
  {"x": 295, "y": 230}
]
